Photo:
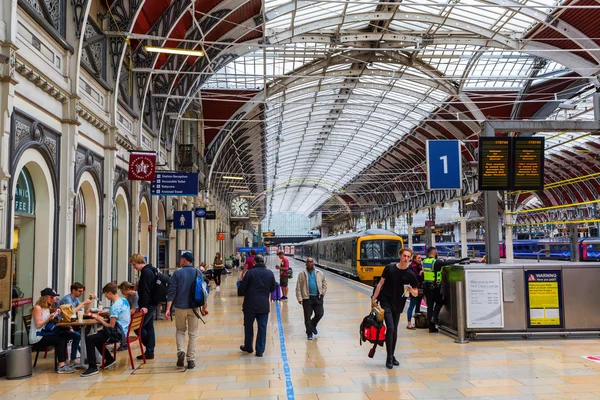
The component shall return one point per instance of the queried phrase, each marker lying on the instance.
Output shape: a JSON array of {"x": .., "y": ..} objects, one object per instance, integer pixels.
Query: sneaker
[
  {"x": 283, "y": 298},
  {"x": 242, "y": 348},
  {"x": 89, "y": 372},
  {"x": 309, "y": 336},
  {"x": 218, "y": 288},
  {"x": 259, "y": 354},
  {"x": 109, "y": 363},
  {"x": 191, "y": 364},
  {"x": 180, "y": 358},
  {"x": 74, "y": 362},
  {"x": 148, "y": 357},
  {"x": 66, "y": 369},
  {"x": 315, "y": 332}
]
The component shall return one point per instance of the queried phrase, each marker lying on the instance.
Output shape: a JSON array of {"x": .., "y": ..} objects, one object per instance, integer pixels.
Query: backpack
[
  {"x": 198, "y": 291},
  {"x": 421, "y": 321},
  {"x": 161, "y": 286},
  {"x": 373, "y": 331},
  {"x": 289, "y": 273}
]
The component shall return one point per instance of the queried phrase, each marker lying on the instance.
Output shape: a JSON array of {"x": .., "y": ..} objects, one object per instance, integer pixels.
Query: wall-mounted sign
[
  {"x": 528, "y": 163},
  {"x": 200, "y": 212},
  {"x": 544, "y": 298},
  {"x": 142, "y": 166},
  {"x": 429, "y": 223},
  {"x": 6, "y": 267},
  {"x": 24, "y": 196},
  {"x": 494, "y": 163},
  {"x": 485, "y": 307},
  {"x": 444, "y": 166},
  {"x": 183, "y": 220},
  {"x": 211, "y": 214},
  {"x": 268, "y": 234},
  {"x": 175, "y": 184},
  {"x": 220, "y": 236},
  {"x": 247, "y": 249}
]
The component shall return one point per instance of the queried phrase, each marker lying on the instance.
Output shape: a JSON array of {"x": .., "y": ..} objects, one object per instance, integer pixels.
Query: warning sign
[{"x": 544, "y": 299}]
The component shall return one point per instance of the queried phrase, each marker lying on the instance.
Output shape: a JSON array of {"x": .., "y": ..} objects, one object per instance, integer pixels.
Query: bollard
[{"x": 461, "y": 320}]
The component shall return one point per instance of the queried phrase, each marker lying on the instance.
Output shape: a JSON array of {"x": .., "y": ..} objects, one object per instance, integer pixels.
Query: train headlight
[{"x": 367, "y": 269}]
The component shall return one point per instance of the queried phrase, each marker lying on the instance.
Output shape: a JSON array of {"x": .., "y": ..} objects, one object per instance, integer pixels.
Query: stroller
[{"x": 373, "y": 330}]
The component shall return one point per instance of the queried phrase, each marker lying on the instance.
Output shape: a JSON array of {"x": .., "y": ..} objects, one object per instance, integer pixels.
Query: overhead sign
[
  {"x": 429, "y": 223},
  {"x": 544, "y": 298},
  {"x": 268, "y": 234},
  {"x": 220, "y": 236},
  {"x": 494, "y": 163},
  {"x": 200, "y": 212},
  {"x": 247, "y": 249},
  {"x": 485, "y": 306},
  {"x": 444, "y": 167},
  {"x": 211, "y": 214},
  {"x": 175, "y": 184},
  {"x": 142, "y": 166},
  {"x": 183, "y": 220},
  {"x": 528, "y": 163}
]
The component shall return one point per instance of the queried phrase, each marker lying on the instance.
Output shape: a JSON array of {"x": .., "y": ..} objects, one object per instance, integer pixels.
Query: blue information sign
[
  {"x": 175, "y": 184},
  {"x": 200, "y": 212},
  {"x": 183, "y": 220},
  {"x": 247, "y": 249},
  {"x": 444, "y": 167}
]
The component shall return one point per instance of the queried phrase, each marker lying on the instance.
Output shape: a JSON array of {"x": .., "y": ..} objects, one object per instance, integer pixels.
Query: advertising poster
[
  {"x": 544, "y": 298},
  {"x": 485, "y": 307}
]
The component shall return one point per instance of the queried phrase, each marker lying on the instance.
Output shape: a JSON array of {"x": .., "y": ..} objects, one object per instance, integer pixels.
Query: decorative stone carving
[
  {"x": 51, "y": 145},
  {"x": 97, "y": 167},
  {"x": 22, "y": 131},
  {"x": 33, "y": 76}
]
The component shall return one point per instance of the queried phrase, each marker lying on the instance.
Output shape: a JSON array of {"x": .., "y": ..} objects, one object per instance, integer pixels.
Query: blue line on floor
[{"x": 286, "y": 365}]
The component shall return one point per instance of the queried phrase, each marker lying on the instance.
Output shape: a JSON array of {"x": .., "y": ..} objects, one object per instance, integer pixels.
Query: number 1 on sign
[{"x": 445, "y": 161}]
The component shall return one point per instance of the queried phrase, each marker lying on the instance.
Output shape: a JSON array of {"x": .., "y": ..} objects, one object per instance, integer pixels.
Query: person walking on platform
[
  {"x": 249, "y": 263},
  {"x": 415, "y": 301},
  {"x": 396, "y": 282},
  {"x": 283, "y": 274},
  {"x": 432, "y": 286},
  {"x": 310, "y": 290},
  {"x": 256, "y": 287},
  {"x": 185, "y": 318},
  {"x": 218, "y": 266}
]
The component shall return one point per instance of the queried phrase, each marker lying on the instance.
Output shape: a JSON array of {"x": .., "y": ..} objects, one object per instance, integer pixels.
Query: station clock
[{"x": 239, "y": 207}]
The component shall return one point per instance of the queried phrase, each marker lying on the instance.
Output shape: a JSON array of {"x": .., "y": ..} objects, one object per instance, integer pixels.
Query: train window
[{"x": 379, "y": 252}]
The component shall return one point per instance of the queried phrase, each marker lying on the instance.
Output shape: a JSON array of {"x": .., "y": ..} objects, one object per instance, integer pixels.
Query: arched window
[{"x": 24, "y": 194}]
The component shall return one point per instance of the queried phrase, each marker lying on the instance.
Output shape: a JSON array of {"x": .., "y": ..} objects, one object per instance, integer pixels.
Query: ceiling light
[
  {"x": 235, "y": 178},
  {"x": 171, "y": 50},
  {"x": 469, "y": 202},
  {"x": 238, "y": 187},
  {"x": 249, "y": 196}
]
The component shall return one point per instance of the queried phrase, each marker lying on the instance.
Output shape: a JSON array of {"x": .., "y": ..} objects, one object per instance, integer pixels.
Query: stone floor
[{"x": 333, "y": 366}]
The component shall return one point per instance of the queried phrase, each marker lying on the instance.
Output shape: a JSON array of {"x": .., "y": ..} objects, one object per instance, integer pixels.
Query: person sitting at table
[
  {"x": 114, "y": 330},
  {"x": 73, "y": 299},
  {"x": 128, "y": 291},
  {"x": 44, "y": 332}
]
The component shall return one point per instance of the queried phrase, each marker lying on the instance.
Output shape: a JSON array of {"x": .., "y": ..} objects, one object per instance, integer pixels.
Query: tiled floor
[{"x": 331, "y": 367}]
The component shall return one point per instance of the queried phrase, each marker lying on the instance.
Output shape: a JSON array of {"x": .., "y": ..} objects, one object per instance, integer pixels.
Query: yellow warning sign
[{"x": 543, "y": 292}]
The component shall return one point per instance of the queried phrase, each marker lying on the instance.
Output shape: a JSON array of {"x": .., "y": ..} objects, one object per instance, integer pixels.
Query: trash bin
[{"x": 18, "y": 362}]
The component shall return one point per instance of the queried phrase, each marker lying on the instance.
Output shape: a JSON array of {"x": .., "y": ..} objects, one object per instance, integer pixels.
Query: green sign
[{"x": 24, "y": 195}]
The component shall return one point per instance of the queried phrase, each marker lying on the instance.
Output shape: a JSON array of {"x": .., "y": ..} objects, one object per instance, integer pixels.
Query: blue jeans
[
  {"x": 415, "y": 304},
  {"x": 75, "y": 337},
  {"x": 148, "y": 335},
  {"x": 261, "y": 335}
]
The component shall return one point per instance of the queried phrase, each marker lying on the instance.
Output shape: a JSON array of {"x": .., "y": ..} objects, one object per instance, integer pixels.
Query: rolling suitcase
[{"x": 276, "y": 294}]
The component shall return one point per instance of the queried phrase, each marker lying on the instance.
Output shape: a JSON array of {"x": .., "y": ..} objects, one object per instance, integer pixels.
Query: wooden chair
[{"x": 135, "y": 328}]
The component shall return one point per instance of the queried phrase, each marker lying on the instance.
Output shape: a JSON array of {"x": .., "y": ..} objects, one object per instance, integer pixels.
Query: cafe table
[{"x": 81, "y": 326}]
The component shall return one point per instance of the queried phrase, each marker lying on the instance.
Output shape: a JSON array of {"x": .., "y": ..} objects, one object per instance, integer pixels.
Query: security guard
[{"x": 432, "y": 285}]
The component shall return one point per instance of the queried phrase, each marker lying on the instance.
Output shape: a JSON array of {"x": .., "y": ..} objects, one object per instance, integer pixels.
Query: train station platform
[{"x": 332, "y": 366}]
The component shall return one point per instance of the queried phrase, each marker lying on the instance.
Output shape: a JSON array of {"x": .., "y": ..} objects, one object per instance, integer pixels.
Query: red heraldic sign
[{"x": 142, "y": 166}]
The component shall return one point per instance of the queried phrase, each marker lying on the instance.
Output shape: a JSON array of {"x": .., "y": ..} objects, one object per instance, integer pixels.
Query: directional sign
[
  {"x": 175, "y": 184},
  {"x": 183, "y": 220},
  {"x": 247, "y": 249},
  {"x": 444, "y": 167},
  {"x": 200, "y": 212}
]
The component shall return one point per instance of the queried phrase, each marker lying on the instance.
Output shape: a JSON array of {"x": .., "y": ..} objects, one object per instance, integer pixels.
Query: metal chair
[
  {"x": 135, "y": 327},
  {"x": 36, "y": 347}
]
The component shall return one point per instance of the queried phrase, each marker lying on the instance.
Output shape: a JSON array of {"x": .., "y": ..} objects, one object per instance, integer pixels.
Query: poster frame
[
  {"x": 561, "y": 309},
  {"x": 6, "y": 298},
  {"x": 470, "y": 324}
]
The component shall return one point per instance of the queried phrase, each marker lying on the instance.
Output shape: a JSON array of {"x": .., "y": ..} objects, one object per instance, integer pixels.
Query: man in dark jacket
[
  {"x": 146, "y": 302},
  {"x": 185, "y": 318},
  {"x": 256, "y": 287}
]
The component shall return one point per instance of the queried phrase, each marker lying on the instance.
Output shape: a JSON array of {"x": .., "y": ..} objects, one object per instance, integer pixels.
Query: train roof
[{"x": 351, "y": 235}]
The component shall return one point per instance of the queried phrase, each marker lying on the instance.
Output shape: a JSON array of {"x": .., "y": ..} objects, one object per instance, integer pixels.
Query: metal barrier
[{"x": 541, "y": 251}]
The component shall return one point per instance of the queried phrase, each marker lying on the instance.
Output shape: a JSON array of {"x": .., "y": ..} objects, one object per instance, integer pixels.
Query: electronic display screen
[
  {"x": 528, "y": 163},
  {"x": 494, "y": 163}
]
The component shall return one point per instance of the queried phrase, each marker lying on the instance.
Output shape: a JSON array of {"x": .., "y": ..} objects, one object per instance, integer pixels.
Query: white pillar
[
  {"x": 409, "y": 229},
  {"x": 508, "y": 241}
]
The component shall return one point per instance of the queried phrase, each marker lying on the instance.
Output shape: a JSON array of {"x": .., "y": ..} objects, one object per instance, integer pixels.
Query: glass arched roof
[{"x": 343, "y": 81}]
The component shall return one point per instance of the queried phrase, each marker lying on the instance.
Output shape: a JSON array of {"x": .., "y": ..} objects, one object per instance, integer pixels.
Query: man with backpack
[
  {"x": 182, "y": 296},
  {"x": 147, "y": 301}
]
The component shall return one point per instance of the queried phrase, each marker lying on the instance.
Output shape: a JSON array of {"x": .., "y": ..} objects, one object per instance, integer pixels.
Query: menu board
[
  {"x": 6, "y": 266},
  {"x": 485, "y": 307},
  {"x": 528, "y": 163},
  {"x": 494, "y": 163}
]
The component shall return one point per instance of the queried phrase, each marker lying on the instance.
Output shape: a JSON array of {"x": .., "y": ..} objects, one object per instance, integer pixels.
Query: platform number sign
[{"x": 444, "y": 167}]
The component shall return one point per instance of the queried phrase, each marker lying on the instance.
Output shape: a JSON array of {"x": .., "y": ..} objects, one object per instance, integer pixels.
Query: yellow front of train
[{"x": 374, "y": 252}]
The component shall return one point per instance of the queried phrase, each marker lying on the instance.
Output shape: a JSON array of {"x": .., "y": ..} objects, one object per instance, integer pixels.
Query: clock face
[{"x": 239, "y": 207}]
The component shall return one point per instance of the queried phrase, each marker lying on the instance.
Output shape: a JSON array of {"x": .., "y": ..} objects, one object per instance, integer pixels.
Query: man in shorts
[{"x": 283, "y": 274}]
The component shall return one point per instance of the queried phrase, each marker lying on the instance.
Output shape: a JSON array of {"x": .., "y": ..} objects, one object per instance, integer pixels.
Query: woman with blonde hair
[
  {"x": 218, "y": 266},
  {"x": 44, "y": 332}
]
